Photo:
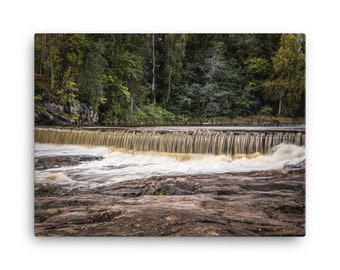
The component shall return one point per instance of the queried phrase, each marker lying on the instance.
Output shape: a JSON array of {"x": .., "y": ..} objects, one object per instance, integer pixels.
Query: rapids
[{"x": 118, "y": 166}]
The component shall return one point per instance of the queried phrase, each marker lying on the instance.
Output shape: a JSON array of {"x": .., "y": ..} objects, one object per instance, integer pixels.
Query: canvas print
[{"x": 169, "y": 135}]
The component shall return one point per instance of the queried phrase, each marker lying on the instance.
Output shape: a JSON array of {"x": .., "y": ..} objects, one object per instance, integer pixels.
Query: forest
[{"x": 158, "y": 79}]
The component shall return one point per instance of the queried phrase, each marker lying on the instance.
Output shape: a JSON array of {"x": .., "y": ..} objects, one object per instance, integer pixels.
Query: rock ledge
[{"x": 263, "y": 203}]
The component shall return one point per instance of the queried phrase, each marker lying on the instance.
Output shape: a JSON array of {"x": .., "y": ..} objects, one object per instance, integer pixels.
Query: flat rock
[
  {"x": 264, "y": 203},
  {"x": 43, "y": 163}
]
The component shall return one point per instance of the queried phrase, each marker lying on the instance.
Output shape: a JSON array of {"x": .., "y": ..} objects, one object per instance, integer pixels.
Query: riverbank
[{"x": 260, "y": 203}]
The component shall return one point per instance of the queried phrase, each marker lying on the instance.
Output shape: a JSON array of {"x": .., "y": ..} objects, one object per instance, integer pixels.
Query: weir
[{"x": 216, "y": 141}]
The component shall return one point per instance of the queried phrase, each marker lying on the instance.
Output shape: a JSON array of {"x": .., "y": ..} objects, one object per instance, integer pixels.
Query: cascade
[{"x": 182, "y": 141}]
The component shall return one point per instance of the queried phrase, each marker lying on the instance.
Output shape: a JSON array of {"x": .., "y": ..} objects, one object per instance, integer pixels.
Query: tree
[
  {"x": 128, "y": 67},
  {"x": 256, "y": 70},
  {"x": 122, "y": 76},
  {"x": 116, "y": 99},
  {"x": 287, "y": 85},
  {"x": 53, "y": 59},
  {"x": 214, "y": 64},
  {"x": 90, "y": 82},
  {"x": 73, "y": 58},
  {"x": 40, "y": 53},
  {"x": 153, "y": 69},
  {"x": 174, "y": 55}
]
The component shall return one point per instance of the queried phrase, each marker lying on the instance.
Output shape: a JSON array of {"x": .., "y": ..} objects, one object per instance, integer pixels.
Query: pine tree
[
  {"x": 174, "y": 55},
  {"x": 90, "y": 84}
]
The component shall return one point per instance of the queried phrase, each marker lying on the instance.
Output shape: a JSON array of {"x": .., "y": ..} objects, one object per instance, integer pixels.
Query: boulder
[{"x": 291, "y": 166}]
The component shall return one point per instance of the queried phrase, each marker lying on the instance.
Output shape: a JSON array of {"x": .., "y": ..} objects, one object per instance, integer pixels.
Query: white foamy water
[{"x": 118, "y": 166}]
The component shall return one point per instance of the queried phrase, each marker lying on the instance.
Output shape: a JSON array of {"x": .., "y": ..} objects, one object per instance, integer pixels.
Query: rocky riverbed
[{"x": 259, "y": 203}]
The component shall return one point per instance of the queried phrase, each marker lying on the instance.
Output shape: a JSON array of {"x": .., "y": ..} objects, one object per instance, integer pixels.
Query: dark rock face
[
  {"x": 86, "y": 115},
  {"x": 264, "y": 203},
  {"x": 43, "y": 163},
  {"x": 74, "y": 113}
]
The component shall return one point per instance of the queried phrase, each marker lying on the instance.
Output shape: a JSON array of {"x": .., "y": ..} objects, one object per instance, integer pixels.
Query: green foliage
[
  {"x": 90, "y": 82},
  {"x": 129, "y": 66},
  {"x": 73, "y": 55},
  {"x": 266, "y": 110},
  {"x": 173, "y": 65},
  {"x": 257, "y": 69},
  {"x": 212, "y": 100},
  {"x": 115, "y": 100},
  {"x": 152, "y": 114},
  {"x": 214, "y": 65},
  {"x": 287, "y": 83},
  {"x": 183, "y": 119},
  {"x": 191, "y": 77}
]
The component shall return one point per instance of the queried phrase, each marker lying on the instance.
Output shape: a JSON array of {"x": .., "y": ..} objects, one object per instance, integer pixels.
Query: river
[{"x": 113, "y": 166}]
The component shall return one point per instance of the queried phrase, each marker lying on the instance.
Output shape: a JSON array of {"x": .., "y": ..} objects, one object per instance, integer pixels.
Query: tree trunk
[
  {"x": 280, "y": 105},
  {"x": 42, "y": 69},
  {"x": 52, "y": 76},
  {"x": 153, "y": 69},
  {"x": 169, "y": 89},
  {"x": 132, "y": 102},
  {"x": 41, "y": 56}
]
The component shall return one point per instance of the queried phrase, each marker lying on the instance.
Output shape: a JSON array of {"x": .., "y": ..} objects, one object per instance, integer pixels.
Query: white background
[{"x": 20, "y": 20}]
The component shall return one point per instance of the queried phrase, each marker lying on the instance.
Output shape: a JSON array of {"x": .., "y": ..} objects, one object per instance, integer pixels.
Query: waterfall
[{"x": 183, "y": 141}]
